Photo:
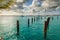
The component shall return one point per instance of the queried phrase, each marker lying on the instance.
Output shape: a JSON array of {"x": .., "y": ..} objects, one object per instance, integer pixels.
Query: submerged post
[{"x": 17, "y": 27}]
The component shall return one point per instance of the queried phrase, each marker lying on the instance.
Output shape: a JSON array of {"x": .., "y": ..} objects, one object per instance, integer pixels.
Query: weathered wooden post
[
  {"x": 17, "y": 27},
  {"x": 28, "y": 22},
  {"x": 46, "y": 24},
  {"x": 45, "y": 30},
  {"x": 32, "y": 20}
]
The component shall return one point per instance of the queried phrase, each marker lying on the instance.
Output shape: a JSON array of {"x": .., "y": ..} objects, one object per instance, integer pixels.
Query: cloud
[
  {"x": 21, "y": 1},
  {"x": 37, "y": 5},
  {"x": 50, "y": 3}
]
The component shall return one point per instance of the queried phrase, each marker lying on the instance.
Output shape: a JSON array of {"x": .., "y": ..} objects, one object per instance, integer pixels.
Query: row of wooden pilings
[
  {"x": 46, "y": 24},
  {"x": 32, "y": 20}
]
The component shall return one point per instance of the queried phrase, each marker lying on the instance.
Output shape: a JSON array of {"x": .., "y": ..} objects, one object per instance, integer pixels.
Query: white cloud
[
  {"x": 20, "y": 1},
  {"x": 33, "y": 8},
  {"x": 50, "y": 3}
]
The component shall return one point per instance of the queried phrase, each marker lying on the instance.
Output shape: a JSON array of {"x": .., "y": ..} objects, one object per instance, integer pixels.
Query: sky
[
  {"x": 37, "y": 6},
  {"x": 28, "y": 2}
]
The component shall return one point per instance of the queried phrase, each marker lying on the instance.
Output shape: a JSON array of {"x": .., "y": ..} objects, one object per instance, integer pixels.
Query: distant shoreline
[{"x": 32, "y": 14}]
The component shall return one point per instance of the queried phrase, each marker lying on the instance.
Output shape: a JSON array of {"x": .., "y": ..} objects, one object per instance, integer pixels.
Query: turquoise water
[{"x": 35, "y": 31}]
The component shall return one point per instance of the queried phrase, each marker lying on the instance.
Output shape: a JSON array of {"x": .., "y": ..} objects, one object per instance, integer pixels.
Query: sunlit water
[{"x": 35, "y": 31}]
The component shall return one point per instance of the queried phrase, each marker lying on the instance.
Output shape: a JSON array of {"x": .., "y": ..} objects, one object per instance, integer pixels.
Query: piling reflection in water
[{"x": 18, "y": 37}]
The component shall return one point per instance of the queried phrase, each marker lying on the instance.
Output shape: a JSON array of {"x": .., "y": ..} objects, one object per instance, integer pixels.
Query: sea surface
[{"x": 34, "y": 30}]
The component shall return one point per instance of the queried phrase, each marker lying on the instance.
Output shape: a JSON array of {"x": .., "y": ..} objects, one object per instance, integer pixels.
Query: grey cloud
[{"x": 52, "y": 5}]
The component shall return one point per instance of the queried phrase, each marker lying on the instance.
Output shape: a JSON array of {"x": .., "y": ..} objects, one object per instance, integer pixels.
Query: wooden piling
[
  {"x": 17, "y": 27},
  {"x": 48, "y": 20},
  {"x": 32, "y": 20},
  {"x": 28, "y": 22},
  {"x": 45, "y": 30},
  {"x": 46, "y": 27}
]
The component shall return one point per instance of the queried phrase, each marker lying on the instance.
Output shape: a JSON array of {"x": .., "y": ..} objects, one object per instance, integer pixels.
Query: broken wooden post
[
  {"x": 46, "y": 27},
  {"x": 17, "y": 27}
]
